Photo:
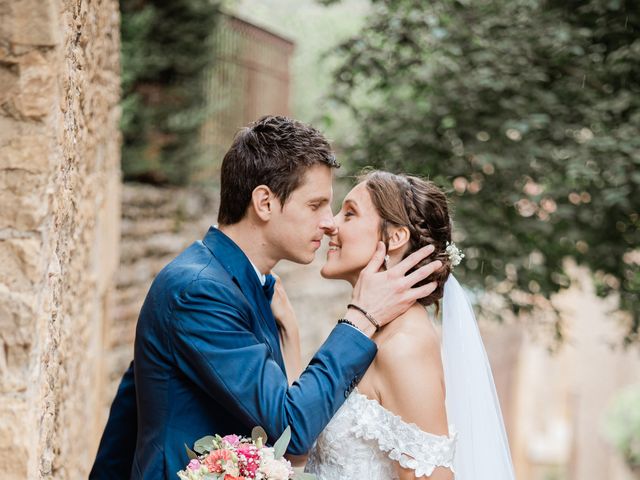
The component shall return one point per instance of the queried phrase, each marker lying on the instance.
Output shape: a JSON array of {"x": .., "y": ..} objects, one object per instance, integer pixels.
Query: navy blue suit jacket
[{"x": 208, "y": 360}]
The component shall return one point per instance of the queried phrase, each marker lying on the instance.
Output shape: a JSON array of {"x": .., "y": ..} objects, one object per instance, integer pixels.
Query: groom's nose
[
  {"x": 334, "y": 226},
  {"x": 328, "y": 224}
]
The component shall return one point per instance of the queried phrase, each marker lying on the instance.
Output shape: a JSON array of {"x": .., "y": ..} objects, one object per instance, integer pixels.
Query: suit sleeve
[
  {"x": 214, "y": 346},
  {"x": 118, "y": 443}
]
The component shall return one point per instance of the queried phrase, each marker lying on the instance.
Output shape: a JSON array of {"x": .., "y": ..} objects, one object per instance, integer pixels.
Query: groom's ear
[
  {"x": 398, "y": 238},
  {"x": 263, "y": 200}
]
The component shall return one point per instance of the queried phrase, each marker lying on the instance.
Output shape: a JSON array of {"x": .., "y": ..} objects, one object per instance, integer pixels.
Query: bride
[{"x": 425, "y": 408}]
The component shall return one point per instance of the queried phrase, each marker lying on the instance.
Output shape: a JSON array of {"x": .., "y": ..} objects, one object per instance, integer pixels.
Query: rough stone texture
[{"x": 59, "y": 229}]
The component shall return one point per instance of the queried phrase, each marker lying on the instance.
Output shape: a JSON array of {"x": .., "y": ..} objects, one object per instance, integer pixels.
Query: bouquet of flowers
[{"x": 240, "y": 458}]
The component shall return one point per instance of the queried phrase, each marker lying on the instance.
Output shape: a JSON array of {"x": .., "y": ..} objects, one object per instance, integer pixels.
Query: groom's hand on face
[{"x": 385, "y": 295}]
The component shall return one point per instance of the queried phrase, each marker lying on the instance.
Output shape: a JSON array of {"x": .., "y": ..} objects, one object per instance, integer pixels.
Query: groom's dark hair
[{"x": 273, "y": 151}]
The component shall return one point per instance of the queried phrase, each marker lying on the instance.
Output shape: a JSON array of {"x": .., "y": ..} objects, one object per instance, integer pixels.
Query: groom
[{"x": 207, "y": 353}]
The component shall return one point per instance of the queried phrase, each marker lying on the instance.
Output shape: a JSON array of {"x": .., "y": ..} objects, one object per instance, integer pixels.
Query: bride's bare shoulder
[
  {"x": 408, "y": 355},
  {"x": 407, "y": 375},
  {"x": 411, "y": 336}
]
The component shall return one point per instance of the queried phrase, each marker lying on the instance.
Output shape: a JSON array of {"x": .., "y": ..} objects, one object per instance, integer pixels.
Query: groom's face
[{"x": 295, "y": 232}]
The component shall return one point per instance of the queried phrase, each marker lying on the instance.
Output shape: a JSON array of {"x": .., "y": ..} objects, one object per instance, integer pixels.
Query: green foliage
[
  {"x": 280, "y": 447},
  {"x": 205, "y": 444},
  {"x": 166, "y": 51},
  {"x": 258, "y": 434},
  {"x": 622, "y": 424},
  {"x": 190, "y": 453},
  {"x": 530, "y": 111}
]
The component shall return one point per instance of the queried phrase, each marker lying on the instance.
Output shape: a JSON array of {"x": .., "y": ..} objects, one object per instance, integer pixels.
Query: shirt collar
[{"x": 261, "y": 276}]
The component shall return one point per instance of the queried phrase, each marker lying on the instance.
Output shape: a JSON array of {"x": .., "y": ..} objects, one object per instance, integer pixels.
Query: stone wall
[{"x": 59, "y": 216}]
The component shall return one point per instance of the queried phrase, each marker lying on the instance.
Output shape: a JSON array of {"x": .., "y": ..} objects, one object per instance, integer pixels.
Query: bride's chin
[{"x": 326, "y": 272}]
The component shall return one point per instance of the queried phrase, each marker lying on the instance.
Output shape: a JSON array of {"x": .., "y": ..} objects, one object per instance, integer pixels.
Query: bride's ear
[
  {"x": 398, "y": 238},
  {"x": 263, "y": 201}
]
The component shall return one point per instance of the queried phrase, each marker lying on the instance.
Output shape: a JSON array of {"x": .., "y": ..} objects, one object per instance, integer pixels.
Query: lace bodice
[{"x": 364, "y": 439}]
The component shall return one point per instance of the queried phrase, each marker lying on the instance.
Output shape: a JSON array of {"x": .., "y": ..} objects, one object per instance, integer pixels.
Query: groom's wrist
[{"x": 360, "y": 322}]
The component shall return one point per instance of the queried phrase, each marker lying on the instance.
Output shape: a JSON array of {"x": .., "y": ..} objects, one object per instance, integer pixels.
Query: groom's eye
[{"x": 314, "y": 206}]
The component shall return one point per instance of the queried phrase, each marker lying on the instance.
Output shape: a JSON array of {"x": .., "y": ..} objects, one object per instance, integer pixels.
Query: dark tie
[{"x": 268, "y": 286}]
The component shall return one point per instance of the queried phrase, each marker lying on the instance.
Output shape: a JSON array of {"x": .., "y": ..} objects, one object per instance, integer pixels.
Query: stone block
[
  {"x": 6, "y": 19},
  {"x": 21, "y": 212},
  {"x": 5, "y": 54},
  {"x": 26, "y": 152},
  {"x": 24, "y": 165},
  {"x": 36, "y": 86},
  {"x": 21, "y": 265},
  {"x": 144, "y": 227},
  {"x": 16, "y": 310},
  {"x": 17, "y": 322},
  {"x": 30, "y": 22},
  {"x": 8, "y": 82},
  {"x": 14, "y": 438}
]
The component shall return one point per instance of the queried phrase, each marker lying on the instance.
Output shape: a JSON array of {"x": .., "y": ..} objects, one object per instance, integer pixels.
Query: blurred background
[{"x": 527, "y": 112}]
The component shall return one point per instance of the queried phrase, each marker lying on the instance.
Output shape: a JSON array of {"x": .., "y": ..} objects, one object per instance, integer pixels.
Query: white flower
[
  {"x": 267, "y": 453},
  {"x": 455, "y": 255},
  {"x": 188, "y": 474},
  {"x": 276, "y": 469}
]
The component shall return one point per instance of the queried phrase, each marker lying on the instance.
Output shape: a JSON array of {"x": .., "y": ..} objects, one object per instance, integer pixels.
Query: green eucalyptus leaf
[
  {"x": 280, "y": 447},
  {"x": 258, "y": 432},
  {"x": 204, "y": 444},
  {"x": 190, "y": 453}
]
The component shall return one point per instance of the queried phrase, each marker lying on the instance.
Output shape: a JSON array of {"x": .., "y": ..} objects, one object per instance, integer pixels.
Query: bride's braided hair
[{"x": 422, "y": 207}]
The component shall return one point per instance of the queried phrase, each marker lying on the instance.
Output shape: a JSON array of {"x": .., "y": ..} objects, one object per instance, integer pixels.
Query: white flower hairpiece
[{"x": 454, "y": 253}]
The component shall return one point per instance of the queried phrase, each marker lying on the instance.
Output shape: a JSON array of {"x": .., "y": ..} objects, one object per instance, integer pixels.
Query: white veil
[{"x": 482, "y": 450}]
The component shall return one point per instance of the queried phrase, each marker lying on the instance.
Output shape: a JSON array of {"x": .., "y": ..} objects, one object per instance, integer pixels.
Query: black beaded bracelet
[{"x": 344, "y": 320}]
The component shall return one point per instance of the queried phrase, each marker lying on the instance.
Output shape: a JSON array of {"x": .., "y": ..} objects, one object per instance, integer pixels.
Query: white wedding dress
[{"x": 365, "y": 440}]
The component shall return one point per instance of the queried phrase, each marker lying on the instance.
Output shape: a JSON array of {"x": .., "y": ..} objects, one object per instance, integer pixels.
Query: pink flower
[
  {"x": 194, "y": 464},
  {"x": 231, "y": 477},
  {"x": 232, "y": 440},
  {"x": 217, "y": 459},
  {"x": 249, "y": 459}
]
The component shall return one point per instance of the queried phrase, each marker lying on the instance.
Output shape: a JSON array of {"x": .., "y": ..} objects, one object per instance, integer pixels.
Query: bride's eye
[{"x": 348, "y": 214}]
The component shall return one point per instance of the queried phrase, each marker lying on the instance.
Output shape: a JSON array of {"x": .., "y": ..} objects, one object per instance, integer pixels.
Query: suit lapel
[
  {"x": 261, "y": 305},
  {"x": 236, "y": 263}
]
